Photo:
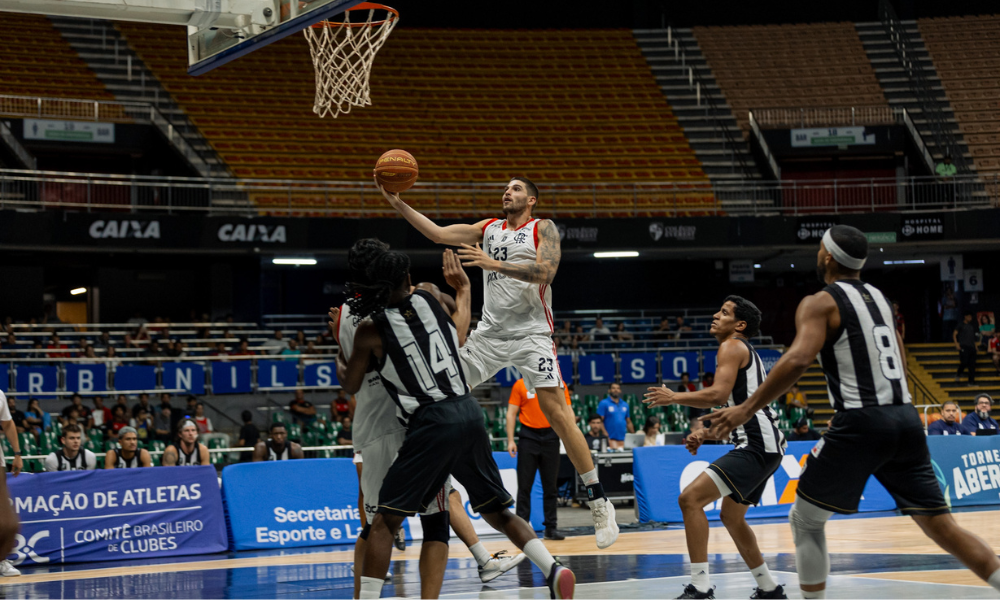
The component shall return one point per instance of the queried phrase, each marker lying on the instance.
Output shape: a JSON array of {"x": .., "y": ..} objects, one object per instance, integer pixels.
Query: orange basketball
[{"x": 396, "y": 171}]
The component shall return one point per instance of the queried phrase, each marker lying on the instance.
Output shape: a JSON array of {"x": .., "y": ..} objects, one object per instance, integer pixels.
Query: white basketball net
[{"x": 342, "y": 54}]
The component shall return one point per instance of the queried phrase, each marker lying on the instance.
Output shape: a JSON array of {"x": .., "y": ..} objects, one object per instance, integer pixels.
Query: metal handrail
[{"x": 827, "y": 116}]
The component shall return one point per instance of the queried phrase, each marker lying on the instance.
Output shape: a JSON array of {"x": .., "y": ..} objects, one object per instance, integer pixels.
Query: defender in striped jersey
[
  {"x": 519, "y": 256},
  {"x": 413, "y": 344},
  {"x": 875, "y": 431},
  {"x": 739, "y": 477}
]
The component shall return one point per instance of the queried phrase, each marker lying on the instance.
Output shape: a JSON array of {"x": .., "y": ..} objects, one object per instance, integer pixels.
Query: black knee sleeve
[
  {"x": 365, "y": 532},
  {"x": 436, "y": 527}
]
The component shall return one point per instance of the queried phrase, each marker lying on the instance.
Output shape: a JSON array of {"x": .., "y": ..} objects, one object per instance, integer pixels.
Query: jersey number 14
[{"x": 441, "y": 361}]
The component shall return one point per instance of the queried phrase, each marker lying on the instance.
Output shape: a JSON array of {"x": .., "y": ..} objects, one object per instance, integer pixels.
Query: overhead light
[
  {"x": 622, "y": 254},
  {"x": 756, "y": 265},
  {"x": 917, "y": 261},
  {"x": 294, "y": 261},
  {"x": 78, "y": 291},
  {"x": 793, "y": 265}
]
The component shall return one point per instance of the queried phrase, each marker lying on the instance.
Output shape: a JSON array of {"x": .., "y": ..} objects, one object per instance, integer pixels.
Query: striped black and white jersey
[
  {"x": 862, "y": 361},
  {"x": 760, "y": 433},
  {"x": 420, "y": 363}
]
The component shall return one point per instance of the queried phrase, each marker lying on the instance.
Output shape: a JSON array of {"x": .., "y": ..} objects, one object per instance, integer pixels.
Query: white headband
[{"x": 839, "y": 255}]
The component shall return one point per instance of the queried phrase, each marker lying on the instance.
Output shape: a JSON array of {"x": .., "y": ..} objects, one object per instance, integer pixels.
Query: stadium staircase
[
  {"x": 899, "y": 87},
  {"x": 813, "y": 385},
  {"x": 123, "y": 73},
  {"x": 940, "y": 361}
]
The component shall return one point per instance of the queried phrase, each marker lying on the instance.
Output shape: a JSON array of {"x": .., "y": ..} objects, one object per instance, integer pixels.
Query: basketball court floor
[{"x": 880, "y": 556}]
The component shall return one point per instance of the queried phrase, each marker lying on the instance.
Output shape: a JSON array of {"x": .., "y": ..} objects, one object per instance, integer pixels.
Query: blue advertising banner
[
  {"x": 86, "y": 516},
  {"x": 662, "y": 472},
  {"x": 321, "y": 509},
  {"x": 507, "y": 377},
  {"x": 138, "y": 377},
  {"x": 768, "y": 357},
  {"x": 231, "y": 377},
  {"x": 566, "y": 367},
  {"x": 36, "y": 380},
  {"x": 186, "y": 376},
  {"x": 321, "y": 373},
  {"x": 4, "y": 377},
  {"x": 967, "y": 468},
  {"x": 86, "y": 378},
  {"x": 639, "y": 368},
  {"x": 277, "y": 373},
  {"x": 596, "y": 369},
  {"x": 676, "y": 364}
]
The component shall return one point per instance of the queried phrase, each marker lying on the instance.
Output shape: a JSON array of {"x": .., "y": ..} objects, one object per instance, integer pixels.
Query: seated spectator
[
  {"x": 163, "y": 423},
  {"x": 277, "y": 447},
  {"x": 303, "y": 412},
  {"x": 663, "y": 330},
  {"x": 249, "y": 436},
  {"x": 580, "y": 336},
  {"x": 111, "y": 359},
  {"x": 564, "y": 334},
  {"x": 597, "y": 438},
  {"x": 681, "y": 328},
  {"x": 36, "y": 419},
  {"x": 948, "y": 423},
  {"x": 993, "y": 350},
  {"x": 154, "y": 352},
  {"x": 191, "y": 408},
  {"x": 203, "y": 422},
  {"x": 345, "y": 437},
  {"x": 300, "y": 338},
  {"x": 599, "y": 333},
  {"x": 803, "y": 432},
  {"x": 88, "y": 355},
  {"x": 10, "y": 343},
  {"x": 573, "y": 350},
  {"x": 707, "y": 380},
  {"x": 342, "y": 406},
  {"x": 72, "y": 457},
  {"x": 122, "y": 400},
  {"x": 622, "y": 334},
  {"x": 143, "y": 405},
  {"x": 101, "y": 414},
  {"x": 83, "y": 418},
  {"x": 128, "y": 456},
  {"x": 103, "y": 342},
  {"x": 276, "y": 345},
  {"x": 175, "y": 349},
  {"x": 141, "y": 334},
  {"x": 37, "y": 351},
  {"x": 795, "y": 399},
  {"x": 244, "y": 349},
  {"x": 55, "y": 344},
  {"x": 652, "y": 431},
  {"x": 311, "y": 349},
  {"x": 119, "y": 421},
  {"x": 16, "y": 415},
  {"x": 685, "y": 385},
  {"x": 143, "y": 425},
  {"x": 979, "y": 421},
  {"x": 188, "y": 451},
  {"x": 616, "y": 415},
  {"x": 292, "y": 352}
]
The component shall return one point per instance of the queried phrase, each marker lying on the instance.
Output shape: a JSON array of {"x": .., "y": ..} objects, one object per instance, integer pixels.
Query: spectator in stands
[
  {"x": 244, "y": 349},
  {"x": 580, "y": 336},
  {"x": 574, "y": 349},
  {"x": 276, "y": 345},
  {"x": 342, "y": 406},
  {"x": 300, "y": 338},
  {"x": 89, "y": 355},
  {"x": 175, "y": 349},
  {"x": 993, "y": 348},
  {"x": 949, "y": 311},
  {"x": 965, "y": 337},
  {"x": 36, "y": 419},
  {"x": 37, "y": 351},
  {"x": 191, "y": 408},
  {"x": 681, "y": 327},
  {"x": 142, "y": 405},
  {"x": 652, "y": 431},
  {"x": 979, "y": 422},
  {"x": 615, "y": 413},
  {"x": 143, "y": 425},
  {"x": 597, "y": 438},
  {"x": 345, "y": 437},
  {"x": 103, "y": 342},
  {"x": 600, "y": 332},
  {"x": 163, "y": 423},
  {"x": 565, "y": 334},
  {"x": 154, "y": 353},
  {"x": 707, "y": 380},
  {"x": 141, "y": 334},
  {"x": 129, "y": 456},
  {"x": 622, "y": 334},
  {"x": 948, "y": 423},
  {"x": 897, "y": 317},
  {"x": 55, "y": 346},
  {"x": 292, "y": 352},
  {"x": 111, "y": 359},
  {"x": 794, "y": 399},
  {"x": 311, "y": 349},
  {"x": 685, "y": 385},
  {"x": 119, "y": 420},
  {"x": 83, "y": 418},
  {"x": 664, "y": 330},
  {"x": 72, "y": 457},
  {"x": 188, "y": 451},
  {"x": 123, "y": 400},
  {"x": 945, "y": 170},
  {"x": 249, "y": 436},
  {"x": 277, "y": 447},
  {"x": 16, "y": 415},
  {"x": 203, "y": 422},
  {"x": 101, "y": 414},
  {"x": 803, "y": 432},
  {"x": 303, "y": 412}
]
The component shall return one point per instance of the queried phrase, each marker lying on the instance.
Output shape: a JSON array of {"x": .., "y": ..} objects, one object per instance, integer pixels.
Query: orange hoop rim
[{"x": 361, "y": 6}]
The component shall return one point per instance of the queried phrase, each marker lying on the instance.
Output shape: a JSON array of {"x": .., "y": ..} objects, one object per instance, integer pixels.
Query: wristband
[{"x": 17, "y": 454}]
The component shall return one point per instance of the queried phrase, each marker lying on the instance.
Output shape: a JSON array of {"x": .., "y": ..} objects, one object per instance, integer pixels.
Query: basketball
[{"x": 396, "y": 171}]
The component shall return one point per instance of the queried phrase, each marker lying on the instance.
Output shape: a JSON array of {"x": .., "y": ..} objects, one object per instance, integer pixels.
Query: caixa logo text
[
  {"x": 125, "y": 229},
  {"x": 25, "y": 549},
  {"x": 274, "y": 234}
]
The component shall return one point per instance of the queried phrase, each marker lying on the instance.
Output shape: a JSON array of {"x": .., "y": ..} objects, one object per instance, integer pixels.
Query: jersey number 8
[{"x": 886, "y": 357}]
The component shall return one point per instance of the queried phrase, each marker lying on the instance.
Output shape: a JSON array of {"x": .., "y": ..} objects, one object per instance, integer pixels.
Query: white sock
[
  {"x": 590, "y": 477},
  {"x": 994, "y": 580},
  {"x": 371, "y": 587},
  {"x": 699, "y": 576},
  {"x": 480, "y": 553},
  {"x": 763, "y": 577},
  {"x": 537, "y": 553},
  {"x": 809, "y": 595}
]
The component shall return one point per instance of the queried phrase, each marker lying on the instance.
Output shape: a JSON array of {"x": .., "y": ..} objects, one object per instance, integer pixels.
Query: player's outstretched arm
[
  {"x": 811, "y": 321},
  {"x": 731, "y": 357},
  {"x": 542, "y": 271},
  {"x": 451, "y": 235}
]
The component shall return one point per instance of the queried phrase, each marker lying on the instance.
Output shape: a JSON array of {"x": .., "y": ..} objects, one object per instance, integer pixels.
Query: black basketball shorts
[
  {"x": 885, "y": 441},
  {"x": 447, "y": 437},
  {"x": 745, "y": 472}
]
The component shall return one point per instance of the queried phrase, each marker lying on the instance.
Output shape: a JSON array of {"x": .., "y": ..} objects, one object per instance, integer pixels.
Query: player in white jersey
[
  {"x": 519, "y": 256},
  {"x": 9, "y": 523},
  {"x": 378, "y": 435}
]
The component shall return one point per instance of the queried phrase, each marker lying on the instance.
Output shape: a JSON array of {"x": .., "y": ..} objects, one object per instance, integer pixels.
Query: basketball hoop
[{"x": 343, "y": 52}]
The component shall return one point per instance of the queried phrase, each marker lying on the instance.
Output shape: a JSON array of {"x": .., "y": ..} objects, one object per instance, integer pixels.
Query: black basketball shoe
[
  {"x": 778, "y": 592},
  {"x": 692, "y": 592}
]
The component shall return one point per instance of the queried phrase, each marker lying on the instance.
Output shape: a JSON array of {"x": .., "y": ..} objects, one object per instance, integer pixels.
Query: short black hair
[
  {"x": 746, "y": 311},
  {"x": 247, "y": 416},
  {"x": 851, "y": 240},
  {"x": 532, "y": 188},
  {"x": 594, "y": 416},
  {"x": 275, "y": 425},
  {"x": 951, "y": 402}
]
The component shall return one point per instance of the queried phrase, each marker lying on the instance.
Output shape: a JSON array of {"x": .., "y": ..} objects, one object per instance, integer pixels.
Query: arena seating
[
  {"x": 790, "y": 66},
  {"x": 940, "y": 362},
  {"x": 35, "y": 60},
  {"x": 469, "y": 104},
  {"x": 966, "y": 54}
]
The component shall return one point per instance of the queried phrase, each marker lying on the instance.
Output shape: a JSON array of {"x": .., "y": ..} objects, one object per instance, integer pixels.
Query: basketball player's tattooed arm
[
  {"x": 351, "y": 372},
  {"x": 733, "y": 354},
  {"x": 816, "y": 316},
  {"x": 169, "y": 456},
  {"x": 542, "y": 271},
  {"x": 450, "y": 235}
]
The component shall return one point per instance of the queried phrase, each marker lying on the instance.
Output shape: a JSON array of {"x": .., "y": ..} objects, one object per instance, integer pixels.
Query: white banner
[
  {"x": 69, "y": 131},
  {"x": 832, "y": 136}
]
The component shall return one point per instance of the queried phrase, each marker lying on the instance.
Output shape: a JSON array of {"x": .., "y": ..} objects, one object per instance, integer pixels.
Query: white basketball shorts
[
  {"x": 379, "y": 455},
  {"x": 534, "y": 357}
]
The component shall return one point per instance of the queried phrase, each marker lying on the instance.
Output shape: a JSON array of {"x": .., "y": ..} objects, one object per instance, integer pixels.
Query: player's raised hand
[
  {"x": 454, "y": 274},
  {"x": 390, "y": 196},
  {"x": 724, "y": 421},
  {"x": 659, "y": 396},
  {"x": 334, "y": 316},
  {"x": 473, "y": 256}
]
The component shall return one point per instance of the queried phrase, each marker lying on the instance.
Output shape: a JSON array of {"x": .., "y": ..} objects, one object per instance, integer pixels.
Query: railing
[
  {"x": 827, "y": 117},
  {"x": 32, "y": 190},
  {"x": 8, "y": 139}
]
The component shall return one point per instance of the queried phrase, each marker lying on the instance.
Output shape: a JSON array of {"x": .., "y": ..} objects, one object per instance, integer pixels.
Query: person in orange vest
[{"x": 538, "y": 452}]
